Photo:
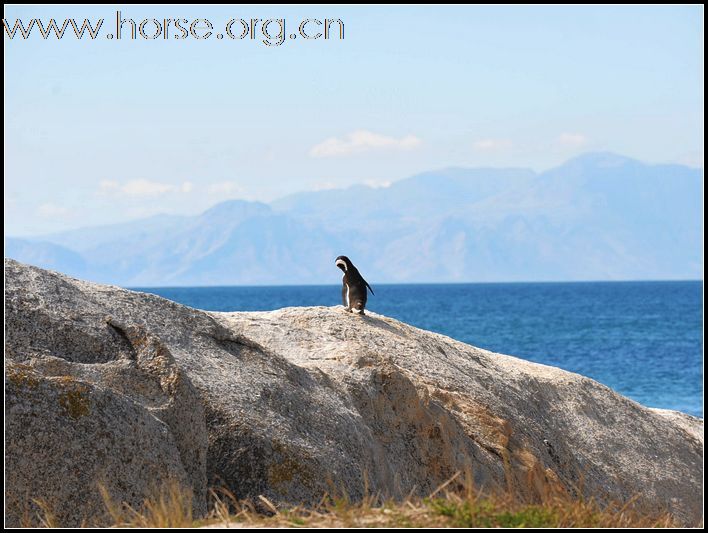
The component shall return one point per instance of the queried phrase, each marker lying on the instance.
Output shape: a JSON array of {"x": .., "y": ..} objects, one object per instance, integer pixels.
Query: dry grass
[
  {"x": 446, "y": 508},
  {"x": 461, "y": 506},
  {"x": 171, "y": 507}
]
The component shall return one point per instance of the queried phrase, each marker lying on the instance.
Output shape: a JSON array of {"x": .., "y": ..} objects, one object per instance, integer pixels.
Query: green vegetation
[{"x": 483, "y": 513}]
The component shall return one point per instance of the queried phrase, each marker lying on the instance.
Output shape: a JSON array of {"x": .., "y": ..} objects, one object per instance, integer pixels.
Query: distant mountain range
[{"x": 599, "y": 216}]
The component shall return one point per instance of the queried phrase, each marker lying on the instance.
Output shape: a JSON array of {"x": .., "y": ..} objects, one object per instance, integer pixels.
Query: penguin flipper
[{"x": 372, "y": 290}]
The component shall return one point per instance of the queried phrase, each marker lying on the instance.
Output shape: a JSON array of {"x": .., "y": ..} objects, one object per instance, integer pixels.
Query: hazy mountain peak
[
  {"x": 236, "y": 207},
  {"x": 600, "y": 160},
  {"x": 598, "y": 216}
]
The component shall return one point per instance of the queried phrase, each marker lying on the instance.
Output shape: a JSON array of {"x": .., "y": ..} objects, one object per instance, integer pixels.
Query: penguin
[{"x": 353, "y": 286}]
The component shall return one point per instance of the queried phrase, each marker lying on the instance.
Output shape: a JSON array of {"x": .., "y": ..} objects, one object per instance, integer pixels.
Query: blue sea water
[{"x": 643, "y": 339}]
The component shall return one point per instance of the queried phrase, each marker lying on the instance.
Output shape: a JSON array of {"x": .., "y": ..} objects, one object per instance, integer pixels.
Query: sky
[{"x": 106, "y": 130}]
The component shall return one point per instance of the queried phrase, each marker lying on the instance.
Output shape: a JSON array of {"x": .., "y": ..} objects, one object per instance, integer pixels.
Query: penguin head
[{"x": 343, "y": 262}]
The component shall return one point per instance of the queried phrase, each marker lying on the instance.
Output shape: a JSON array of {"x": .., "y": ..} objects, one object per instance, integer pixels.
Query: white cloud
[
  {"x": 491, "y": 145},
  {"x": 572, "y": 139},
  {"x": 378, "y": 184},
  {"x": 143, "y": 187},
  {"x": 109, "y": 185},
  {"x": 146, "y": 188},
  {"x": 225, "y": 188},
  {"x": 50, "y": 210},
  {"x": 362, "y": 141}
]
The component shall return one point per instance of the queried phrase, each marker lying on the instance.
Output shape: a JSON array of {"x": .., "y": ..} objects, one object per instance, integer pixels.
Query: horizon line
[{"x": 391, "y": 284}]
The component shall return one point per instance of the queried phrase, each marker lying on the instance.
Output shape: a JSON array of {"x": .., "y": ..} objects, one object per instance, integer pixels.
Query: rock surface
[{"x": 127, "y": 389}]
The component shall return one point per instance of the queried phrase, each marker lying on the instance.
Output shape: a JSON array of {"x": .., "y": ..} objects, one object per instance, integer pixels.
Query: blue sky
[{"x": 106, "y": 131}]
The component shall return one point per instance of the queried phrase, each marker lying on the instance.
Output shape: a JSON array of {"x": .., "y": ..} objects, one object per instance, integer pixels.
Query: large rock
[
  {"x": 130, "y": 390},
  {"x": 64, "y": 436}
]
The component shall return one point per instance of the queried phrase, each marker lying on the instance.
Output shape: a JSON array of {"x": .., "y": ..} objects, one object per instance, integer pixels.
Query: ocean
[{"x": 643, "y": 339}]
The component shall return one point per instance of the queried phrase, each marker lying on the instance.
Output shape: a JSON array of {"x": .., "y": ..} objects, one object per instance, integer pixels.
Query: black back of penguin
[{"x": 354, "y": 286}]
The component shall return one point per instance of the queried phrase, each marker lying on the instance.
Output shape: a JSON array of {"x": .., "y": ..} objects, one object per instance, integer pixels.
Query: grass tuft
[{"x": 463, "y": 506}]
